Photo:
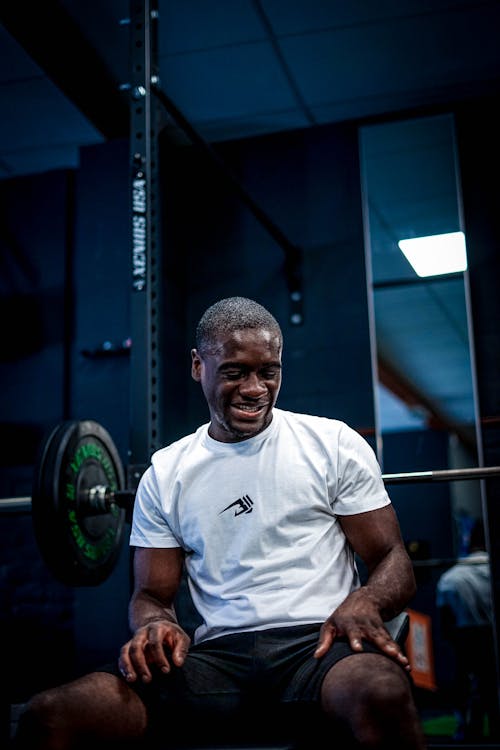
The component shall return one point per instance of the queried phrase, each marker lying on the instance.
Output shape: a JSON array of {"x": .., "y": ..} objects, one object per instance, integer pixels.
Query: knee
[
  {"x": 376, "y": 705},
  {"x": 40, "y": 715},
  {"x": 386, "y": 687},
  {"x": 37, "y": 721}
]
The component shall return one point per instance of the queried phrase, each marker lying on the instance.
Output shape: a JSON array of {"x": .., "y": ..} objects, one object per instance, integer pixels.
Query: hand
[
  {"x": 358, "y": 619},
  {"x": 146, "y": 647}
]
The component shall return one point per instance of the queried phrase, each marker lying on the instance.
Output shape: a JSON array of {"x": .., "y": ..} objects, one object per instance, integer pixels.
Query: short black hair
[{"x": 233, "y": 314}]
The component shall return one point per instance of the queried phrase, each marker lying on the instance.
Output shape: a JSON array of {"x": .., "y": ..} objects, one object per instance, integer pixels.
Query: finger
[
  {"x": 326, "y": 639},
  {"x": 395, "y": 652},
  {"x": 355, "y": 642},
  {"x": 128, "y": 674},
  {"x": 137, "y": 653},
  {"x": 391, "y": 648},
  {"x": 156, "y": 654},
  {"x": 179, "y": 652},
  {"x": 357, "y": 633},
  {"x": 125, "y": 665}
]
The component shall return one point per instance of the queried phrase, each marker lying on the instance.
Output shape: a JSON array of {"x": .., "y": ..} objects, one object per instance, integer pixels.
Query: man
[
  {"x": 266, "y": 510},
  {"x": 463, "y": 599}
]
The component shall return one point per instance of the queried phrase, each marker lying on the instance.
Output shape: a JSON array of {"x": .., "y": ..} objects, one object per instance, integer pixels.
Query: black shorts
[{"x": 242, "y": 680}]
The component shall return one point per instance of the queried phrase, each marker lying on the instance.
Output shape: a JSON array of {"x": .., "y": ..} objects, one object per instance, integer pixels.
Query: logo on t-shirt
[{"x": 241, "y": 505}]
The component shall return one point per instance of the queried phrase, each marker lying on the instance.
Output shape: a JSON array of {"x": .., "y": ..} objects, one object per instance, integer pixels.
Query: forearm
[{"x": 391, "y": 583}]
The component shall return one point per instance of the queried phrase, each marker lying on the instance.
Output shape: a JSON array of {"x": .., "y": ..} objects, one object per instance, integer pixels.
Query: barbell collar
[
  {"x": 101, "y": 499},
  {"x": 96, "y": 500}
]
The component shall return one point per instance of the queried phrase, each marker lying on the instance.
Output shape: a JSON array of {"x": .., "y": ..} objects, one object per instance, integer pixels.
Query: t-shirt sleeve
[
  {"x": 360, "y": 485},
  {"x": 149, "y": 525}
]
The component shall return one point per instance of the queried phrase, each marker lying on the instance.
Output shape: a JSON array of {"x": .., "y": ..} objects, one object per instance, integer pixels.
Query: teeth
[{"x": 245, "y": 407}]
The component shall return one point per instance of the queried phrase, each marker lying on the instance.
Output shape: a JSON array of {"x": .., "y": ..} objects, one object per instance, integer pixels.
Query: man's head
[{"x": 237, "y": 361}]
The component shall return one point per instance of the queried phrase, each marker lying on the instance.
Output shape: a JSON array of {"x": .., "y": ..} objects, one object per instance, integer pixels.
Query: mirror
[
  {"x": 410, "y": 183},
  {"x": 425, "y": 391}
]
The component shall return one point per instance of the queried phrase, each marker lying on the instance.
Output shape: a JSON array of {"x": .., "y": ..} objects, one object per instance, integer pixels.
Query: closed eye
[
  {"x": 236, "y": 373},
  {"x": 270, "y": 374},
  {"x": 233, "y": 374}
]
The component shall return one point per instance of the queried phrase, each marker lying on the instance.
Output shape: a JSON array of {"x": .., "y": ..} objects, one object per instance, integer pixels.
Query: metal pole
[
  {"x": 15, "y": 505},
  {"x": 146, "y": 294},
  {"x": 444, "y": 475}
]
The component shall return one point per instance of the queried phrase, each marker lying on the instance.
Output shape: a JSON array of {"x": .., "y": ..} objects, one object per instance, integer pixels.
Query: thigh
[
  {"x": 97, "y": 706},
  {"x": 306, "y": 683},
  {"x": 206, "y": 696}
]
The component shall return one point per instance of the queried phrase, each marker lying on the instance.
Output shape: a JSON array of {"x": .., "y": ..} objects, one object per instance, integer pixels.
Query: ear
[{"x": 195, "y": 365}]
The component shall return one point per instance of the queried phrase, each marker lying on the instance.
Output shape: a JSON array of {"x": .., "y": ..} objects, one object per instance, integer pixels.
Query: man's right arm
[{"x": 157, "y": 575}]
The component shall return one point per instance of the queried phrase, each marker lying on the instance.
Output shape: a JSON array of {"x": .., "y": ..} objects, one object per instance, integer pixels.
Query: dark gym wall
[
  {"x": 101, "y": 273},
  {"x": 35, "y": 245},
  {"x": 35, "y": 241},
  {"x": 64, "y": 292},
  {"x": 100, "y": 386},
  {"x": 308, "y": 184}
]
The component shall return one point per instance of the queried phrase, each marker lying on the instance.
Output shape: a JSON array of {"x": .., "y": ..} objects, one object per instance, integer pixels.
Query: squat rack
[{"x": 146, "y": 101}]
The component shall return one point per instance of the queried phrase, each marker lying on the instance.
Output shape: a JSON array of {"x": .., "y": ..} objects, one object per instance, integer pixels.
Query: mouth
[{"x": 248, "y": 411}]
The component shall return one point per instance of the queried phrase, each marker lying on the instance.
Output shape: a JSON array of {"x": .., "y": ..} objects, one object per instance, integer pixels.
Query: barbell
[{"x": 79, "y": 502}]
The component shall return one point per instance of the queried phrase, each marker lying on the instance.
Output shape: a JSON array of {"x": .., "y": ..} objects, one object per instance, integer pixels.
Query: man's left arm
[{"x": 376, "y": 537}]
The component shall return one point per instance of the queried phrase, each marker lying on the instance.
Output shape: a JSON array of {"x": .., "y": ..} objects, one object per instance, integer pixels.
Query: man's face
[{"x": 240, "y": 378}]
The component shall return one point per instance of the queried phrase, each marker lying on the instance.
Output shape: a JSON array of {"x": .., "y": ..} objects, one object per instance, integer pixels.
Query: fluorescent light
[{"x": 436, "y": 254}]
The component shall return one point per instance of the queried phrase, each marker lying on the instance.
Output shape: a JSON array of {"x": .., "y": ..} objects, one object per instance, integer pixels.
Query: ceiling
[{"x": 238, "y": 68}]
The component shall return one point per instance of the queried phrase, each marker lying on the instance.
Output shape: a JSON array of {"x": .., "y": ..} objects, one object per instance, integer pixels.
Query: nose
[{"x": 252, "y": 386}]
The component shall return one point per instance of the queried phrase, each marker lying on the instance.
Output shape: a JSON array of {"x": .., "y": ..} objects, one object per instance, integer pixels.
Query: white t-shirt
[{"x": 258, "y": 519}]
